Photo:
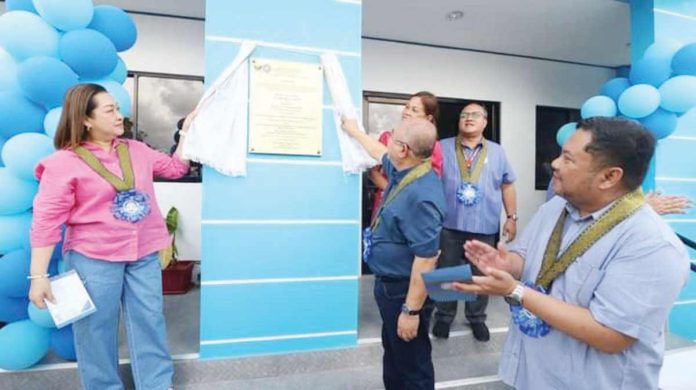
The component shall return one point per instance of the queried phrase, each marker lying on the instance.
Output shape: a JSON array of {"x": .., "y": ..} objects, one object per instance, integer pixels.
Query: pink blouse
[{"x": 71, "y": 193}]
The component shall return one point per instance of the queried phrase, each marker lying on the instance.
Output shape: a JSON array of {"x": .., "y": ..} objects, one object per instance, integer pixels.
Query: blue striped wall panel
[
  {"x": 277, "y": 191},
  {"x": 674, "y": 27},
  {"x": 316, "y": 23},
  {"x": 685, "y": 7},
  {"x": 673, "y": 187},
  {"x": 273, "y": 347},
  {"x": 291, "y": 217},
  {"x": 688, "y": 293},
  {"x": 676, "y": 158},
  {"x": 279, "y": 251},
  {"x": 685, "y": 127},
  {"x": 233, "y": 313},
  {"x": 681, "y": 321}
]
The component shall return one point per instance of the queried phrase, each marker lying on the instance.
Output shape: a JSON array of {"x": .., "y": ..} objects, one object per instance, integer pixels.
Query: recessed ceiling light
[{"x": 454, "y": 15}]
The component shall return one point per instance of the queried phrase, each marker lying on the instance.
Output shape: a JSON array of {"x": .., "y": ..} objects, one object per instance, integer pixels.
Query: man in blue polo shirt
[
  {"x": 593, "y": 277},
  {"x": 478, "y": 180},
  {"x": 401, "y": 243}
]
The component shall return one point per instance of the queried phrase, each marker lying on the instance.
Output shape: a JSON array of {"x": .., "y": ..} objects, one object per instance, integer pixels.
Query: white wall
[
  {"x": 520, "y": 85},
  {"x": 186, "y": 197}
]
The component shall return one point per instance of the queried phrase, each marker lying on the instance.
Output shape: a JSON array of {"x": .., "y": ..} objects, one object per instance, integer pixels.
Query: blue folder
[{"x": 438, "y": 283}]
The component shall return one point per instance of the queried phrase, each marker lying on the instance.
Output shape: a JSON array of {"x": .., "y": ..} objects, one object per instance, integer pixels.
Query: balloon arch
[{"x": 46, "y": 47}]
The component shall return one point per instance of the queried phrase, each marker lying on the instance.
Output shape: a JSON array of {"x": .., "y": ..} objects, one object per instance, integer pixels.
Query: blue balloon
[
  {"x": 23, "y": 345},
  {"x": 684, "y": 61},
  {"x": 678, "y": 94},
  {"x": 663, "y": 49},
  {"x": 20, "y": 5},
  {"x": 51, "y": 121},
  {"x": 8, "y": 71},
  {"x": 19, "y": 114},
  {"x": 41, "y": 317},
  {"x": 639, "y": 101},
  {"x": 89, "y": 53},
  {"x": 661, "y": 123},
  {"x": 45, "y": 80},
  {"x": 2, "y": 143},
  {"x": 63, "y": 343},
  {"x": 564, "y": 132},
  {"x": 115, "y": 24},
  {"x": 23, "y": 152},
  {"x": 653, "y": 71},
  {"x": 14, "y": 232},
  {"x": 615, "y": 87},
  {"x": 66, "y": 15},
  {"x": 24, "y": 34},
  {"x": 686, "y": 124},
  {"x": 13, "y": 309},
  {"x": 120, "y": 73},
  {"x": 17, "y": 194},
  {"x": 598, "y": 106},
  {"x": 14, "y": 268},
  {"x": 119, "y": 93}
]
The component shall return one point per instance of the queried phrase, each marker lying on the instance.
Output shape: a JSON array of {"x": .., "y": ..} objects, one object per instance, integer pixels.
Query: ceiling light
[{"x": 454, "y": 15}]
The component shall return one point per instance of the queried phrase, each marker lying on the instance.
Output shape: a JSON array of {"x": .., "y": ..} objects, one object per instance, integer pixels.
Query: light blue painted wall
[
  {"x": 281, "y": 246},
  {"x": 675, "y": 160}
]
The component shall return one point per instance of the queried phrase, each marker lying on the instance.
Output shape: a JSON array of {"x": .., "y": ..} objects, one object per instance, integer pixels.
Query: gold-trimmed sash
[{"x": 551, "y": 268}]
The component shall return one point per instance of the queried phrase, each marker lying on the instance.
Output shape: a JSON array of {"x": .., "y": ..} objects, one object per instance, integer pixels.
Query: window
[
  {"x": 382, "y": 111},
  {"x": 548, "y": 121},
  {"x": 159, "y": 102}
]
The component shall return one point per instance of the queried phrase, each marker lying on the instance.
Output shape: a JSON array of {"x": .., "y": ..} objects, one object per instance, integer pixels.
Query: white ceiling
[{"x": 584, "y": 31}]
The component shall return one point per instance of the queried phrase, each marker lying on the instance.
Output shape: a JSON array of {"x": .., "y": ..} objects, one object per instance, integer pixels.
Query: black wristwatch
[
  {"x": 406, "y": 310},
  {"x": 513, "y": 216}
]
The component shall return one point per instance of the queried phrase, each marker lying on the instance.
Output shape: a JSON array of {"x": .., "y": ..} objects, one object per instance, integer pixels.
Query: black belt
[{"x": 392, "y": 279}]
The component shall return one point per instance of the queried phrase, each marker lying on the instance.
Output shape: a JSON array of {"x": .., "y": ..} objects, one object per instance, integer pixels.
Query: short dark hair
[{"x": 618, "y": 142}]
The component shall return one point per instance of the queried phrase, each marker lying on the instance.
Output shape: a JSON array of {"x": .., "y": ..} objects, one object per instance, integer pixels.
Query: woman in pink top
[
  {"x": 424, "y": 105},
  {"x": 100, "y": 187}
]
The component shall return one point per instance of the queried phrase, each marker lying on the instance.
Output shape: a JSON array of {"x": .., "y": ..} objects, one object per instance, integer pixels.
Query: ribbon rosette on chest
[
  {"x": 528, "y": 323},
  {"x": 131, "y": 205},
  {"x": 468, "y": 194}
]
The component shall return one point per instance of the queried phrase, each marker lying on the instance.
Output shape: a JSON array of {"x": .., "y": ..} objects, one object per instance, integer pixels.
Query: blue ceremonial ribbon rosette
[
  {"x": 528, "y": 323},
  {"x": 468, "y": 194},
  {"x": 131, "y": 205},
  {"x": 367, "y": 243}
]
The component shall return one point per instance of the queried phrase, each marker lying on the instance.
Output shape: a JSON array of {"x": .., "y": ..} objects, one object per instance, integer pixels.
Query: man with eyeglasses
[
  {"x": 478, "y": 181},
  {"x": 401, "y": 243}
]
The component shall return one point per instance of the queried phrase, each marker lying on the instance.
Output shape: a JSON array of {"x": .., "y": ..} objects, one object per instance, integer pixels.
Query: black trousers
[
  {"x": 452, "y": 247},
  {"x": 406, "y": 365}
]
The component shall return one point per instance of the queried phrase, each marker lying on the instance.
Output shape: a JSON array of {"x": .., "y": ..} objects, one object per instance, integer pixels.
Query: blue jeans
[
  {"x": 137, "y": 287},
  {"x": 406, "y": 365}
]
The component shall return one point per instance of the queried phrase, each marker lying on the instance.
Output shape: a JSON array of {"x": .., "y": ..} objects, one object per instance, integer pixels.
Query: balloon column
[
  {"x": 659, "y": 92},
  {"x": 46, "y": 47}
]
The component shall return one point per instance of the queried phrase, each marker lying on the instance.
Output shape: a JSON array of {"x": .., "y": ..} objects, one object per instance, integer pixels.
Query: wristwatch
[
  {"x": 513, "y": 216},
  {"x": 406, "y": 310},
  {"x": 516, "y": 296}
]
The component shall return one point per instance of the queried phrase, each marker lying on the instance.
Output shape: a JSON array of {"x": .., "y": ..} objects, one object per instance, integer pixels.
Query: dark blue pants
[
  {"x": 452, "y": 247},
  {"x": 406, "y": 365}
]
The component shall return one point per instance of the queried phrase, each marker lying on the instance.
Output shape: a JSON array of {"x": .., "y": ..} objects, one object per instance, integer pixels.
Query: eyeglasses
[{"x": 472, "y": 115}]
